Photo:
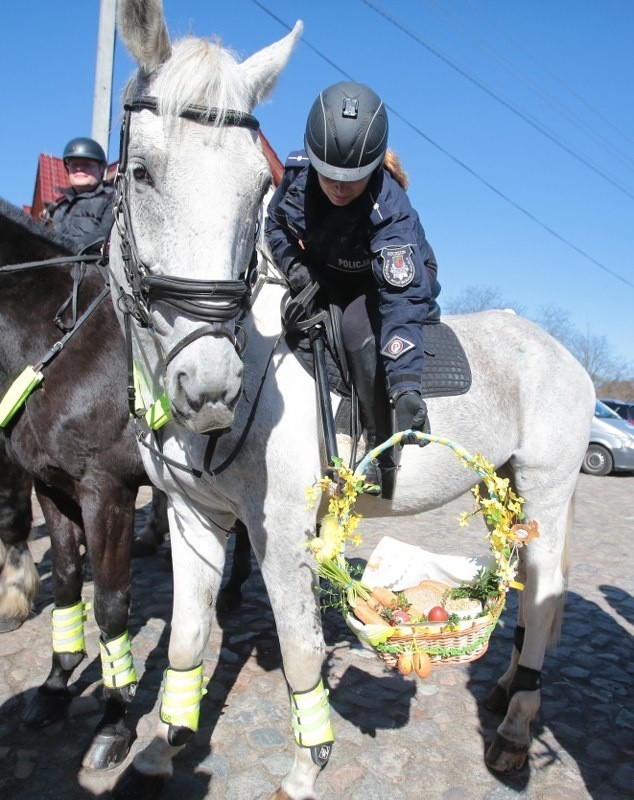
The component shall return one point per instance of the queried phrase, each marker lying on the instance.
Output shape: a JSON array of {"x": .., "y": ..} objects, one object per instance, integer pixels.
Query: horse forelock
[{"x": 199, "y": 72}]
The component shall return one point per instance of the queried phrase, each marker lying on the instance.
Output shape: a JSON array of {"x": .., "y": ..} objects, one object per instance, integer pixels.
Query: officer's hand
[
  {"x": 411, "y": 412},
  {"x": 299, "y": 277}
]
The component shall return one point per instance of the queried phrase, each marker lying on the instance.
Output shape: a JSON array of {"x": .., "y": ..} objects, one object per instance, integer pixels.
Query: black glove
[
  {"x": 411, "y": 412},
  {"x": 299, "y": 277}
]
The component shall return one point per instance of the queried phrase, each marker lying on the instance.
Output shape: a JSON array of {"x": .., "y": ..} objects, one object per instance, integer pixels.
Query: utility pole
[{"x": 102, "y": 102}]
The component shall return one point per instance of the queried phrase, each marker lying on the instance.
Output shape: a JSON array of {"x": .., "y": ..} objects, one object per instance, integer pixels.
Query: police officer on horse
[{"x": 341, "y": 218}]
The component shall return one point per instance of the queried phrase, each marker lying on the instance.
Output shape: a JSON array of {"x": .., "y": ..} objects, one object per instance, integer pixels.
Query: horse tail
[{"x": 555, "y": 628}]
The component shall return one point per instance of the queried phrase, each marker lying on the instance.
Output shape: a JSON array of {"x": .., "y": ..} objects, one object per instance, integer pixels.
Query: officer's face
[
  {"x": 341, "y": 193},
  {"x": 83, "y": 173}
]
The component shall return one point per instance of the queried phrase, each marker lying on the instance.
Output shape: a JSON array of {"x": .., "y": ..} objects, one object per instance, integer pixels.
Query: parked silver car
[{"x": 611, "y": 446}]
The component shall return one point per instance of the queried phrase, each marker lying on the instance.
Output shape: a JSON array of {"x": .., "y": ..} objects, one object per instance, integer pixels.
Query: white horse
[{"x": 192, "y": 182}]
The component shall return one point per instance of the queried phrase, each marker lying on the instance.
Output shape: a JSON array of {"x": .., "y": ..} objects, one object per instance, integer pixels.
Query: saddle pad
[{"x": 447, "y": 371}]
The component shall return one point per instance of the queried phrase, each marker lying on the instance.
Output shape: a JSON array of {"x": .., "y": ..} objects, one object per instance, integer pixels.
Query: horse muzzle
[{"x": 204, "y": 384}]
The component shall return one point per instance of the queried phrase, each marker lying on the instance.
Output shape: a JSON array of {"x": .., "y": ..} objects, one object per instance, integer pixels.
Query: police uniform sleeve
[
  {"x": 400, "y": 264},
  {"x": 284, "y": 245}
]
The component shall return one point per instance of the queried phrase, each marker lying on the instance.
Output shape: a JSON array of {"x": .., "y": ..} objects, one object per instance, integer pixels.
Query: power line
[
  {"x": 564, "y": 109},
  {"x": 548, "y": 72},
  {"x": 449, "y": 155},
  {"x": 523, "y": 116}
]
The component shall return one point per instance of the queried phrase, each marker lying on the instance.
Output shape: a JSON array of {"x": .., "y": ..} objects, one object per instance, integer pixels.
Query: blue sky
[{"x": 514, "y": 120}]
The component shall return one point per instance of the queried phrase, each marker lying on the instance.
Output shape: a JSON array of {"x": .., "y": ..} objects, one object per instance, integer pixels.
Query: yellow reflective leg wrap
[
  {"x": 117, "y": 666},
  {"x": 311, "y": 722},
  {"x": 68, "y": 628},
  {"x": 182, "y": 693}
]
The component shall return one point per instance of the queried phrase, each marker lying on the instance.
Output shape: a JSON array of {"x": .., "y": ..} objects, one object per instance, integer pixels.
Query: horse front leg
[
  {"x": 52, "y": 698},
  {"x": 292, "y": 588},
  {"x": 19, "y": 578},
  {"x": 518, "y": 692},
  {"x": 198, "y": 553},
  {"x": 108, "y": 511}
]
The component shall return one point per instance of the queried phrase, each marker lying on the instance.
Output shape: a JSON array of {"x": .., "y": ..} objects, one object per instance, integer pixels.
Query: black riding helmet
[
  {"x": 83, "y": 147},
  {"x": 346, "y": 132}
]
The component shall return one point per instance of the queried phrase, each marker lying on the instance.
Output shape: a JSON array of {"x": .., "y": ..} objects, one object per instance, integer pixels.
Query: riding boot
[{"x": 376, "y": 415}]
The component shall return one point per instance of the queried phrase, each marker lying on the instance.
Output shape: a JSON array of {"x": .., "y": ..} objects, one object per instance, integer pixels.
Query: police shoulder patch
[
  {"x": 398, "y": 265},
  {"x": 396, "y": 347}
]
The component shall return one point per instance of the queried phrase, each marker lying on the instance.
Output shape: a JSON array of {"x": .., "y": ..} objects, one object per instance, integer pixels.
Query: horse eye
[{"x": 140, "y": 173}]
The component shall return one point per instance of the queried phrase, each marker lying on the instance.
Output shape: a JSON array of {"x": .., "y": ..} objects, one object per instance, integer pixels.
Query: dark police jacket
[
  {"x": 377, "y": 239},
  {"x": 83, "y": 217}
]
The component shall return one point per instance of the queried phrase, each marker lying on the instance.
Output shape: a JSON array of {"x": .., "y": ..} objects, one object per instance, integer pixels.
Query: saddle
[{"x": 447, "y": 371}]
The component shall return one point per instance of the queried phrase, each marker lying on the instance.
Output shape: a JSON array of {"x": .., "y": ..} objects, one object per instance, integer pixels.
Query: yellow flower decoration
[{"x": 501, "y": 509}]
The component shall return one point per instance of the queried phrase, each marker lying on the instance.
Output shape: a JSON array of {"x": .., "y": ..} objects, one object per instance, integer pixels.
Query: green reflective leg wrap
[
  {"x": 117, "y": 666},
  {"x": 311, "y": 722},
  {"x": 182, "y": 692},
  {"x": 68, "y": 628}
]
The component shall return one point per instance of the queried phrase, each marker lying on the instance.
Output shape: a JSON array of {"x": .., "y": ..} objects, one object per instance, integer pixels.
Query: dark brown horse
[
  {"x": 73, "y": 437},
  {"x": 73, "y": 442}
]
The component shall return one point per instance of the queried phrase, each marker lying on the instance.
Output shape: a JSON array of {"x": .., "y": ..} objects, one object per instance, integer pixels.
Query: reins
[{"x": 31, "y": 377}]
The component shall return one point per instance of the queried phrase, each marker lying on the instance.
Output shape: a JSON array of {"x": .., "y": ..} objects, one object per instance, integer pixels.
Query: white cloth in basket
[{"x": 396, "y": 565}]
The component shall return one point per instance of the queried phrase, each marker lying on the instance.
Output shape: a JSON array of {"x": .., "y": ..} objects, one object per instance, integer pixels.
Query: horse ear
[
  {"x": 144, "y": 33},
  {"x": 260, "y": 70}
]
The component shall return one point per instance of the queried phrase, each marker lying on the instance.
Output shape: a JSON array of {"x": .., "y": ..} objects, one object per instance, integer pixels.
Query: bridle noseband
[{"x": 214, "y": 302}]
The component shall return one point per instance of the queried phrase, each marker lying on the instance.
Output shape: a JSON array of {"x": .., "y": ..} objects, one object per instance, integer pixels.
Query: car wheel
[{"x": 597, "y": 461}]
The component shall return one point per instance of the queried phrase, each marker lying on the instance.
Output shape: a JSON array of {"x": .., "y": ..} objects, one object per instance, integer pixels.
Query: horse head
[{"x": 191, "y": 179}]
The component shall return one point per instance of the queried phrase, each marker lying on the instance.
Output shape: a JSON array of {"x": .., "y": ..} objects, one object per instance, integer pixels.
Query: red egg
[{"x": 437, "y": 614}]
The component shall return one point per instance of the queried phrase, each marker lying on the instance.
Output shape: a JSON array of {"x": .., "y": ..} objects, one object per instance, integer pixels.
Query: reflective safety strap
[
  {"x": 159, "y": 412},
  {"x": 182, "y": 692},
  {"x": 311, "y": 717},
  {"x": 68, "y": 628},
  {"x": 16, "y": 395},
  {"x": 117, "y": 666}
]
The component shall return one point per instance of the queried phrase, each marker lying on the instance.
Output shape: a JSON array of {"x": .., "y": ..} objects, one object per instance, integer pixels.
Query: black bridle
[{"x": 214, "y": 302}]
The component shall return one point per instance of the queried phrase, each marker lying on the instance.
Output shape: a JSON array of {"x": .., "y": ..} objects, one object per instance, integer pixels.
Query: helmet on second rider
[
  {"x": 83, "y": 147},
  {"x": 346, "y": 132}
]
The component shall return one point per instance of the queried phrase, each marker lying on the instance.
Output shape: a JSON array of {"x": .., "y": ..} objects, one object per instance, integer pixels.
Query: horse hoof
[
  {"x": 46, "y": 708},
  {"x": 13, "y": 623},
  {"x": 229, "y": 600},
  {"x": 134, "y": 785},
  {"x": 497, "y": 700},
  {"x": 107, "y": 750},
  {"x": 505, "y": 755},
  {"x": 142, "y": 549}
]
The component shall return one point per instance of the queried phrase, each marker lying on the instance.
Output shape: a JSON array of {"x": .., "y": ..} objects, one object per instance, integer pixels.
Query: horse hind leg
[
  {"x": 148, "y": 540},
  {"x": 230, "y": 597},
  {"x": 19, "y": 579},
  {"x": 518, "y": 692},
  {"x": 19, "y": 585}
]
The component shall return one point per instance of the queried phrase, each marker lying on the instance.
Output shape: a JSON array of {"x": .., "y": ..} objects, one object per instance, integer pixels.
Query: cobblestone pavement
[{"x": 396, "y": 738}]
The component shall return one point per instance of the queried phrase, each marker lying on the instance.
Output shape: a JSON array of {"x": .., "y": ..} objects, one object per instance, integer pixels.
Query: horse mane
[
  {"x": 23, "y": 239},
  {"x": 199, "y": 72}
]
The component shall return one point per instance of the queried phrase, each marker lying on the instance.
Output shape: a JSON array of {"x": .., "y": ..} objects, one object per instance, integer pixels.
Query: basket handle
[{"x": 422, "y": 438}]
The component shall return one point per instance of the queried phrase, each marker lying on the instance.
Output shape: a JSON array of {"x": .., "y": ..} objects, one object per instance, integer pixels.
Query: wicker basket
[
  {"x": 445, "y": 644},
  {"x": 448, "y": 646}
]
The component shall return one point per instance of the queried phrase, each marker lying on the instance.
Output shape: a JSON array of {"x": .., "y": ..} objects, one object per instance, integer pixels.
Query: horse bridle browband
[{"x": 214, "y": 302}]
